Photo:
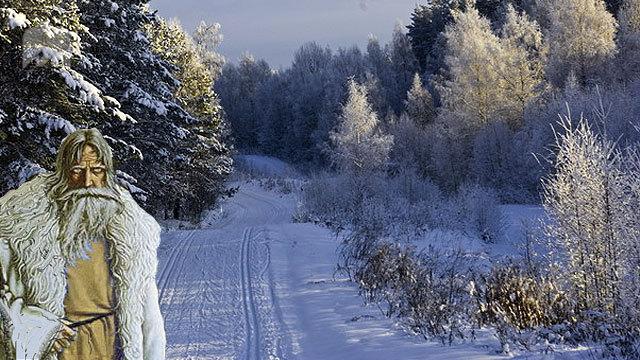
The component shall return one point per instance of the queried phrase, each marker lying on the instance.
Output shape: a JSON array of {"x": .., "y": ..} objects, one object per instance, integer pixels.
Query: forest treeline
[{"x": 469, "y": 91}]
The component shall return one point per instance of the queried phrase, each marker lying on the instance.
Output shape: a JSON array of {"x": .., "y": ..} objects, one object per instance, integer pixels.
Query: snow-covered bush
[
  {"x": 516, "y": 299},
  {"x": 426, "y": 291},
  {"x": 403, "y": 205},
  {"x": 387, "y": 276},
  {"x": 438, "y": 303},
  {"x": 586, "y": 197}
]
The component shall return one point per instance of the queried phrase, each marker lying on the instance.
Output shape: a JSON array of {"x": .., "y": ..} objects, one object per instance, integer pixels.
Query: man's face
[{"x": 89, "y": 172}]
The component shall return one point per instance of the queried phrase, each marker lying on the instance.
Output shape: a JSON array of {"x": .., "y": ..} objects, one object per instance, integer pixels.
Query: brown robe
[{"x": 89, "y": 295}]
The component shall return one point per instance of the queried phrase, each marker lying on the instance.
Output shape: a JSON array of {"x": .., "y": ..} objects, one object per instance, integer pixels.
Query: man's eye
[
  {"x": 98, "y": 171},
  {"x": 76, "y": 171}
]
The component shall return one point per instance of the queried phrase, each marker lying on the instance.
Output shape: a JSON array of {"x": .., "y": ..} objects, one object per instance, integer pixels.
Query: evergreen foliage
[{"x": 82, "y": 64}]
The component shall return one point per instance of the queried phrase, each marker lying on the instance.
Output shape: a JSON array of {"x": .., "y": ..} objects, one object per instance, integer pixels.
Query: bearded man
[{"x": 78, "y": 263}]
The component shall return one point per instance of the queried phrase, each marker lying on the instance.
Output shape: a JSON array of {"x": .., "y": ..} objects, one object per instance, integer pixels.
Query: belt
[{"x": 88, "y": 321}]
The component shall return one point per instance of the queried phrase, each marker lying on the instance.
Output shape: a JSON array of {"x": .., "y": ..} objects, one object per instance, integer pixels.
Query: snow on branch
[
  {"x": 145, "y": 99},
  {"x": 88, "y": 92},
  {"x": 14, "y": 19},
  {"x": 46, "y": 44}
]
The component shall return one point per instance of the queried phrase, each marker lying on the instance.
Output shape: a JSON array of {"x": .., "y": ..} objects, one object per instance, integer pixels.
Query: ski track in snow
[
  {"x": 216, "y": 287},
  {"x": 253, "y": 285},
  {"x": 252, "y": 324}
]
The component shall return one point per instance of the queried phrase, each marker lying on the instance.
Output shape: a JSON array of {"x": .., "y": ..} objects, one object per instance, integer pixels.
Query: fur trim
[{"x": 29, "y": 222}]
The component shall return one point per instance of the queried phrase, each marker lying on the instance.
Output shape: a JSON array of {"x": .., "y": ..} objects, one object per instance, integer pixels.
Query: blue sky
[{"x": 274, "y": 29}]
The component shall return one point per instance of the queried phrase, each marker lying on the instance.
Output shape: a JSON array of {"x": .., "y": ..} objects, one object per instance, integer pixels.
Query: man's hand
[{"x": 63, "y": 338}]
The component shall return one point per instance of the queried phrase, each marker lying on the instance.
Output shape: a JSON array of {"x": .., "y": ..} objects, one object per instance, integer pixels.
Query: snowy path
[
  {"x": 256, "y": 286},
  {"x": 216, "y": 288}
]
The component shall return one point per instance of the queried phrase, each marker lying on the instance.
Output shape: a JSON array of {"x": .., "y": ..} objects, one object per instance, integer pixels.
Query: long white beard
[{"x": 85, "y": 215}]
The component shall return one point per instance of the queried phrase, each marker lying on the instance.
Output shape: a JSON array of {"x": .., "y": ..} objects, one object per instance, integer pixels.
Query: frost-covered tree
[
  {"x": 429, "y": 21},
  {"x": 475, "y": 89},
  {"x": 419, "y": 103},
  {"x": 581, "y": 38},
  {"x": 629, "y": 40},
  {"x": 237, "y": 87},
  {"x": 358, "y": 145},
  {"x": 586, "y": 197},
  {"x": 412, "y": 147},
  {"x": 379, "y": 64},
  {"x": 525, "y": 55},
  {"x": 308, "y": 75},
  {"x": 274, "y": 118},
  {"x": 346, "y": 63},
  {"x": 195, "y": 94},
  {"x": 492, "y": 78},
  {"x": 207, "y": 38}
]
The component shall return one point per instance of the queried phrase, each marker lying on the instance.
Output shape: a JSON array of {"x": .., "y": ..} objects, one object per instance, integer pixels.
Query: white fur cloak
[{"x": 33, "y": 271}]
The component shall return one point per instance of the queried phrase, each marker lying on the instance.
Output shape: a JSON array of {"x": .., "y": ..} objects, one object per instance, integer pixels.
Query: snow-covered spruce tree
[
  {"x": 419, "y": 104},
  {"x": 46, "y": 92},
  {"x": 586, "y": 198},
  {"x": 167, "y": 138},
  {"x": 195, "y": 94},
  {"x": 629, "y": 40},
  {"x": 69, "y": 64},
  {"x": 581, "y": 38},
  {"x": 358, "y": 145}
]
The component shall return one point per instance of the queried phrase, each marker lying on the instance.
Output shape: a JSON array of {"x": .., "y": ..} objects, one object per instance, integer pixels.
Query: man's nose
[{"x": 88, "y": 181}]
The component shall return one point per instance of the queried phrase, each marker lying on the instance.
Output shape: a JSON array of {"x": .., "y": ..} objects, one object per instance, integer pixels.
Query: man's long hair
[
  {"x": 70, "y": 153},
  {"x": 84, "y": 213}
]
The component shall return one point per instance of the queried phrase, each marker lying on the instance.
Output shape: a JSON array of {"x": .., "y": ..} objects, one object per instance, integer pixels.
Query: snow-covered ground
[{"x": 254, "y": 285}]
